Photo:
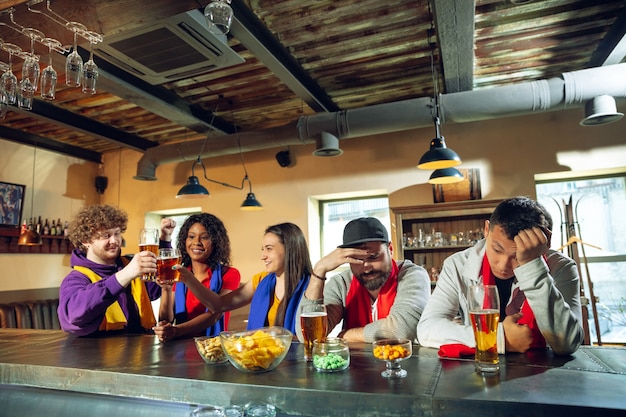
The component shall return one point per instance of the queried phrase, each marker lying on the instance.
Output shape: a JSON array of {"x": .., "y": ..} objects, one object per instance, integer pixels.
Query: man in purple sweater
[{"x": 103, "y": 293}]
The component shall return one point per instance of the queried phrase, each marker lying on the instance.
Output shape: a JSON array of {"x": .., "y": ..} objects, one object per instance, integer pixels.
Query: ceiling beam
[
  {"x": 255, "y": 36},
  {"x": 26, "y": 138},
  {"x": 53, "y": 114},
  {"x": 612, "y": 49},
  {"x": 454, "y": 23}
]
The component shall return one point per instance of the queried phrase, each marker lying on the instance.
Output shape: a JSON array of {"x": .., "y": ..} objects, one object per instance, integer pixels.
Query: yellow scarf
[{"x": 114, "y": 318}]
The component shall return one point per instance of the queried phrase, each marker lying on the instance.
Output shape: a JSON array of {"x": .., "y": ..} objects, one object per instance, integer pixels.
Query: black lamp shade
[
  {"x": 192, "y": 189},
  {"x": 439, "y": 156},
  {"x": 251, "y": 203},
  {"x": 445, "y": 176}
]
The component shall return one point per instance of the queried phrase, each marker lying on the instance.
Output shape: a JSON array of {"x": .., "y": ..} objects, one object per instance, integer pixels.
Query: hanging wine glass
[
  {"x": 49, "y": 74},
  {"x": 4, "y": 104},
  {"x": 8, "y": 81},
  {"x": 74, "y": 62},
  {"x": 25, "y": 88},
  {"x": 90, "y": 69},
  {"x": 30, "y": 68}
]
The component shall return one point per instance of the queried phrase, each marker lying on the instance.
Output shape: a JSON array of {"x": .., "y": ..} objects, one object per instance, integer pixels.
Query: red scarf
[
  {"x": 518, "y": 298},
  {"x": 358, "y": 306}
]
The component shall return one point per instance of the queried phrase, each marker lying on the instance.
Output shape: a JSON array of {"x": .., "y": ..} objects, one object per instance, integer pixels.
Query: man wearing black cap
[{"x": 378, "y": 297}]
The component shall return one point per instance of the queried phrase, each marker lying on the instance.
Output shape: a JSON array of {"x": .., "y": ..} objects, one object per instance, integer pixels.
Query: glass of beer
[
  {"x": 149, "y": 240},
  {"x": 484, "y": 309},
  {"x": 168, "y": 257},
  {"x": 314, "y": 323}
]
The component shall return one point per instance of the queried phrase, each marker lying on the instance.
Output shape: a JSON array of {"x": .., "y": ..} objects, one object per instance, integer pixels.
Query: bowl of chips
[
  {"x": 210, "y": 349},
  {"x": 256, "y": 351}
]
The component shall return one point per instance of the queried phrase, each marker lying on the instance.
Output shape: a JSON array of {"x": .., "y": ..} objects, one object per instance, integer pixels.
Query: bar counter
[{"x": 47, "y": 372}]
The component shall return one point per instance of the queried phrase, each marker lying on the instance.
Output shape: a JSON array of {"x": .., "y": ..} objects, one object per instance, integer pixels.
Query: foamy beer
[
  {"x": 149, "y": 240},
  {"x": 484, "y": 308},
  {"x": 314, "y": 323},
  {"x": 168, "y": 257}
]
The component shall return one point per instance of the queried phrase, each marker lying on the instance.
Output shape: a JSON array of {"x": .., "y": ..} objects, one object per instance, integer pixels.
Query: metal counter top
[{"x": 175, "y": 378}]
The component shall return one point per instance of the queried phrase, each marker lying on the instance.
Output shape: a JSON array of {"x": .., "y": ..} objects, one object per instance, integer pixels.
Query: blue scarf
[
  {"x": 262, "y": 299},
  {"x": 180, "y": 296}
]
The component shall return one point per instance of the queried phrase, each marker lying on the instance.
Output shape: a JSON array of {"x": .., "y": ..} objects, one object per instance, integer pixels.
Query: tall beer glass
[
  {"x": 149, "y": 240},
  {"x": 168, "y": 257},
  {"x": 484, "y": 308},
  {"x": 314, "y": 323}
]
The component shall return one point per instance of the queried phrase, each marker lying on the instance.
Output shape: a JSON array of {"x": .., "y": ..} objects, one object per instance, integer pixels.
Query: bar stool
[{"x": 7, "y": 316}]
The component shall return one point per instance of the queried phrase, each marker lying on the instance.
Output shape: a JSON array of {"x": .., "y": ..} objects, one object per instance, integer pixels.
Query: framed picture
[{"x": 11, "y": 204}]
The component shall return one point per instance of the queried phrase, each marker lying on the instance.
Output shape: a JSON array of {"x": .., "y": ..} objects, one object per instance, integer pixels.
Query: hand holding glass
[
  {"x": 484, "y": 309},
  {"x": 168, "y": 257},
  {"x": 149, "y": 240}
]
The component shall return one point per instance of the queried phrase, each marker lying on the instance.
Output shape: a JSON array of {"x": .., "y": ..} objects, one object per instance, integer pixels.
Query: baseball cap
[{"x": 364, "y": 229}]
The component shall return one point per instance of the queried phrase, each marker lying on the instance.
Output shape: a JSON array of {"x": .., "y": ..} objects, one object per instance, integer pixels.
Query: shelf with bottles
[
  {"x": 50, "y": 244},
  {"x": 427, "y": 235}
]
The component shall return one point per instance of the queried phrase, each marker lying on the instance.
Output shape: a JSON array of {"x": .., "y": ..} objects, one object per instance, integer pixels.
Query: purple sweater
[{"x": 82, "y": 304}]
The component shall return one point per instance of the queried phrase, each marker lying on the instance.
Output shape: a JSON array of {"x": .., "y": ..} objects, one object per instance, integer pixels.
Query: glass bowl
[
  {"x": 210, "y": 349},
  {"x": 333, "y": 355},
  {"x": 392, "y": 352},
  {"x": 256, "y": 351}
]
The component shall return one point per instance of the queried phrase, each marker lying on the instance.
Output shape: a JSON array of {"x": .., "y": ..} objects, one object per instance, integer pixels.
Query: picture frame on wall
[{"x": 11, "y": 204}]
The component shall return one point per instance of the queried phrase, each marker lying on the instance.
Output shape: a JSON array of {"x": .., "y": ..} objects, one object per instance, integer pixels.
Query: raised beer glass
[
  {"x": 484, "y": 309},
  {"x": 149, "y": 240},
  {"x": 314, "y": 323},
  {"x": 168, "y": 257}
]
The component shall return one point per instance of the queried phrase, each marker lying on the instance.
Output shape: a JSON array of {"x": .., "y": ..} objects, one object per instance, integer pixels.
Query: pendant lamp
[
  {"x": 445, "y": 176},
  {"x": 193, "y": 188},
  {"x": 438, "y": 156},
  {"x": 31, "y": 237}
]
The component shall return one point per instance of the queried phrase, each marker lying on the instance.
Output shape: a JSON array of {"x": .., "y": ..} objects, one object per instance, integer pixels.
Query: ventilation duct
[
  {"x": 174, "y": 48},
  {"x": 572, "y": 90}
]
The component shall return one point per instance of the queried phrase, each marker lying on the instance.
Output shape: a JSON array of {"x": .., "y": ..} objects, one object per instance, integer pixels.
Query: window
[
  {"x": 335, "y": 214},
  {"x": 598, "y": 201},
  {"x": 153, "y": 219}
]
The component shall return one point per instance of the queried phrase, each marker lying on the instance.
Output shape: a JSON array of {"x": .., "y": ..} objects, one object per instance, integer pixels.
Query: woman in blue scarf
[
  {"x": 205, "y": 248},
  {"x": 275, "y": 295}
]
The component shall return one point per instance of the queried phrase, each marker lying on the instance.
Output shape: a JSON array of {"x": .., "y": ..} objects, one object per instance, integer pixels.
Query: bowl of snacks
[
  {"x": 331, "y": 355},
  {"x": 259, "y": 350},
  {"x": 210, "y": 349},
  {"x": 392, "y": 352}
]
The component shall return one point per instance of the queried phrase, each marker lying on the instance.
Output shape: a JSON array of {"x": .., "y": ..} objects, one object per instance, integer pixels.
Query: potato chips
[{"x": 258, "y": 350}]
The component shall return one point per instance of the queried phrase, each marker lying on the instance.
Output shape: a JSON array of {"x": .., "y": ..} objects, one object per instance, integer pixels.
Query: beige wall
[{"x": 507, "y": 151}]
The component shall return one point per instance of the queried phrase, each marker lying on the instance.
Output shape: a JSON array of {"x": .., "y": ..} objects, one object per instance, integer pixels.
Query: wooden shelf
[
  {"x": 51, "y": 244},
  {"x": 461, "y": 217}
]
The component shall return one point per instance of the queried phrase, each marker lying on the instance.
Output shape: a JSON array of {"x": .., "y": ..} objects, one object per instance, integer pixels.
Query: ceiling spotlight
[
  {"x": 600, "y": 110},
  {"x": 327, "y": 145},
  {"x": 219, "y": 16}
]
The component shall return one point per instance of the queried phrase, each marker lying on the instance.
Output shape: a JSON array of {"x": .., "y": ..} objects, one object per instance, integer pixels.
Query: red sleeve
[{"x": 231, "y": 279}]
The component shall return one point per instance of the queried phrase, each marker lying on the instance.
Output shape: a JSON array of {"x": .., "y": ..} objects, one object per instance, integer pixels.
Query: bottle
[
  {"x": 38, "y": 226},
  {"x": 24, "y": 227},
  {"x": 46, "y": 228},
  {"x": 66, "y": 229},
  {"x": 59, "y": 228},
  {"x": 30, "y": 223},
  {"x": 53, "y": 228}
]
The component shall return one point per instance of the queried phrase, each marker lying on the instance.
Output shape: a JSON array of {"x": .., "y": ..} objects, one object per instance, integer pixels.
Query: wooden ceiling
[{"x": 303, "y": 58}]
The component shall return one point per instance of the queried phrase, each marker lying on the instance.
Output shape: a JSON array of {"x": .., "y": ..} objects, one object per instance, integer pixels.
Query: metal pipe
[{"x": 572, "y": 90}]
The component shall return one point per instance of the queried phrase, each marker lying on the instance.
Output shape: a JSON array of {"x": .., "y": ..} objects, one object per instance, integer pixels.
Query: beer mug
[
  {"x": 484, "y": 310},
  {"x": 314, "y": 323},
  {"x": 149, "y": 240},
  {"x": 168, "y": 257}
]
